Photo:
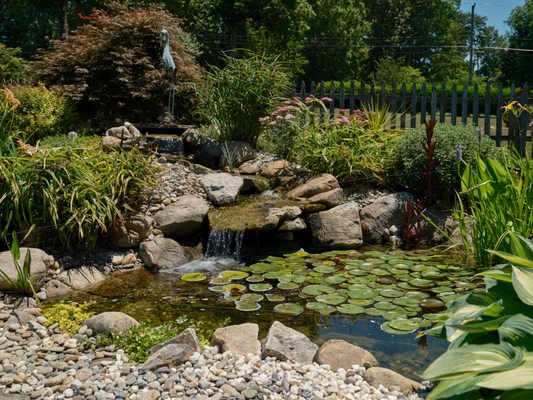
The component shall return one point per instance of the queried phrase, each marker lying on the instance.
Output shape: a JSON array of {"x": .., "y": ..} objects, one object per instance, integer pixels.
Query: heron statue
[{"x": 170, "y": 66}]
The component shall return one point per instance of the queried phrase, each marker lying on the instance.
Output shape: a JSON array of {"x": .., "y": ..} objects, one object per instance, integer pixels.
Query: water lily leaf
[
  {"x": 361, "y": 302},
  {"x": 361, "y": 294},
  {"x": 255, "y": 279},
  {"x": 315, "y": 290},
  {"x": 232, "y": 287},
  {"x": 391, "y": 293},
  {"x": 231, "y": 297},
  {"x": 351, "y": 309},
  {"x": 247, "y": 306},
  {"x": 273, "y": 274},
  {"x": 251, "y": 297},
  {"x": 332, "y": 298},
  {"x": 193, "y": 277},
  {"x": 322, "y": 308},
  {"x": 289, "y": 308},
  {"x": 216, "y": 288},
  {"x": 385, "y": 306},
  {"x": 385, "y": 327},
  {"x": 389, "y": 315},
  {"x": 432, "y": 304},
  {"x": 288, "y": 286},
  {"x": 219, "y": 281},
  {"x": 273, "y": 297},
  {"x": 234, "y": 275},
  {"x": 323, "y": 269},
  {"x": 260, "y": 287},
  {"x": 402, "y": 324},
  {"x": 406, "y": 301},
  {"x": 315, "y": 280},
  {"x": 336, "y": 279},
  {"x": 374, "y": 311}
]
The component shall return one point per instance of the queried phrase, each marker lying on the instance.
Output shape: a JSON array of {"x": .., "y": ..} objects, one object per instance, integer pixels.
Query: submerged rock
[{"x": 210, "y": 266}]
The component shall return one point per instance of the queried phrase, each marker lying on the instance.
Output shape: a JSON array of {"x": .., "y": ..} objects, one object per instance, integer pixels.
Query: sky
[{"x": 496, "y": 11}]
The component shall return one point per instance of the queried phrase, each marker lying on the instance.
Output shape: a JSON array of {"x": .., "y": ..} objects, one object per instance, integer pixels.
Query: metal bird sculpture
[{"x": 169, "y": 65}]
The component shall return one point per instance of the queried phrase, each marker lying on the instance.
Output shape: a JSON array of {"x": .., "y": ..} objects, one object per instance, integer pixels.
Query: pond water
[{"x": 349, "y": 295}]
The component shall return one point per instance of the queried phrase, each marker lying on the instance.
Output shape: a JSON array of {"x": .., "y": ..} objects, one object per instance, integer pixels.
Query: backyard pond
[{"x": 374, "y": 298}]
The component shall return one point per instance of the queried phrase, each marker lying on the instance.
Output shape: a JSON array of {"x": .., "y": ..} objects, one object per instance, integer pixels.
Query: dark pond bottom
[{"x": 163, "y": 297}]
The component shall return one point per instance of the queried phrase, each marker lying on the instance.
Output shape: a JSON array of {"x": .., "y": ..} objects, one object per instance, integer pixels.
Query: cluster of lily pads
[{"x": 407, "y": 289}]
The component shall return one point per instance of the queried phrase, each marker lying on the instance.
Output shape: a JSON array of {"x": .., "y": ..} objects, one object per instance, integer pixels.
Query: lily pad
[
  {"x": 255, "y": 279},
  {"x": 193, "y": 277},
  {"x": 351, "y": 309},
  {"x": 234, "y": 287},
  {"x": 216, "y": 288},
  {"x": 335, "y": 280},
  {"x": 219, "y": 281},
  {"x": 385, "y": 306},
  {"x": 234, "y": 275},
  {"x": 406, "y": 301},
  {"x": 323, "y": 269},
  {"x": 421, "y": 283},
  {"x": 247, "y": 306},
  {"x": 374, "y": 311},
  {"x": 361, "y": 294},
  {"x": 332, "y": 298},
  {"x": 391, "y": 293},
  {"x": 288, "y": 286},
  {"x": 316, "y": 290},
  {"x": 260, "y": 287},
  {"x": 385, "y": 327},
  {"x": 389, "y": 315},
  {"x": 289, "y": 308},
  {"x": 361, "y": 302},
  {"x": 273, "y": 297},
  {"x": 402, "y": 324},
  {"x": 251, "y": 297}
]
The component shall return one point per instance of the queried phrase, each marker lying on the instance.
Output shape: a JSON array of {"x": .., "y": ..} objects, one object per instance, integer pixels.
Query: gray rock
[
  {"x": 234, "y": 153},
  {"x": 382, "y": 376},
  {"x": 182, "y": 218},
  {"x": 341, "y": 354},
  {"x": 55, "y": 288},
  {"x": 297, "y": 224},
  {"x": 286, "y": 344},
  {"x": 170, "y": 355},
  {"x": 221, "y": 188},
  {"x": 338, "y": 228},
  {"x": 132, "y": 230},
  {"x": 320, "y": 184},
  {"x": 281, "y": 214},
  {"x": 254, "y": 184},
  {"x": 40, "y": 262},
  {"x": 81, "y": 278},
  {"x": 251, "y": 167},
  {"x": 331, "y": 198},
  {"x": 187, "y": 337},
  {"x": 208, "y": 154},
  {"x": 192, "y": 139},
  {"x": 383, "y": 213},
  {"x": 110, "y": 322},
  {"x": 238, "y": 339},
  {"x": 162, "y": 253}
]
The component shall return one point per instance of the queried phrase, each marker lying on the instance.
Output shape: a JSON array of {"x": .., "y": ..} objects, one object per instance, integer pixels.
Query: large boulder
[
  {"x": 286, "y": 344},
  {"x": 208, "y": 154},
  {"x": 132, "y": 230},
  {"x": 110, "y": 322},
  {"x": 238, "y": 339},
  {"x": 251, "y": 167},
  {"x": 383, "y": 213},
  {"x": 40, "y": 262},
  {"x": 382, "y": 376},
  {"x": 174, "y": 352},
  {"x": 338, "y": 228},
  {"x": 254, "y": 184},
  {"x": 81, "y": 278},
  {"x": 341, "y": 354},
  {"x": 234, "y": 153},
  {"x": 192, "y": 139},
  {"x": 320, "y": 184},
  {"x": 182, "y": 218},
  {"x": 221, "y": 188},
  {"x": 330, "y": 198},
  {"x": 162, "y": 253},
  {"x": 281, "y": 214},
  {"x": 275, "y": 169}
]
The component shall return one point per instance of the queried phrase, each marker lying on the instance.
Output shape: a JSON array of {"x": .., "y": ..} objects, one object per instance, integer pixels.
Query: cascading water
[{"x": 224, "y": 243}]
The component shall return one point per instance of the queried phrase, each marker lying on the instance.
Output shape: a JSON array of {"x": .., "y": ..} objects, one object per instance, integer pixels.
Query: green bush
[
  {"x": 411, "y": 160},
  {"x": 76, "y": 194},
  {"x": 11, "y": 66},
  {"x": 234, "y": 98},
  {"x": 491, "y": 335},
  {"x": 41, "y": 113}
]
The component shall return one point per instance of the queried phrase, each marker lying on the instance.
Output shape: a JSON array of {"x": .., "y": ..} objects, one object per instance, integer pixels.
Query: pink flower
[
  {"x": 326, "y": 99},
  {"x": 273, "y": 123},
  {"x": 279, "y": 117},
  {"x": 284, "y": 108},
  {"x": 289, "y": 117},
  {"x": 344, "y": 120}
]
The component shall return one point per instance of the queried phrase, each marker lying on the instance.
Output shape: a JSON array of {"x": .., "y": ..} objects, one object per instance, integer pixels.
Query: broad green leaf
[
  {"x": 517, "y": 395},
  {"x": 516, "y": 260},
  {"x": 474, "y": 358},
  {"x": 520, "y": 377},
  {"x": 517, "y": 330},
  {"x": 523, "y": 284},
  {"x": 455, "y": 387},
  {"x": 521, "y": 247},
  {"x": 498, "y": 274},
  {"x": 481, "y": 326}
]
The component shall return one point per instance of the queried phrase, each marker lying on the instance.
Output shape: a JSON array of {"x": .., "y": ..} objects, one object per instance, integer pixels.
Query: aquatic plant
[
  {"x": 69, "y": 316},
  {"x": 22, "y": 283}
]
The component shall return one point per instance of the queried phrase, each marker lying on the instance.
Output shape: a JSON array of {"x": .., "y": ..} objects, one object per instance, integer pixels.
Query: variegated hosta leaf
[
  {"x": 520, "y": 377},
  {"x": 454, "y": 387},
  {"x": 517, "y": 330},
  {"x": 523, "y": 284}
]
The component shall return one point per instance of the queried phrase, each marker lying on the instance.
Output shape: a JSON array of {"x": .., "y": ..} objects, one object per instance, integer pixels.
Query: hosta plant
[{"x": 491, "y": 333}]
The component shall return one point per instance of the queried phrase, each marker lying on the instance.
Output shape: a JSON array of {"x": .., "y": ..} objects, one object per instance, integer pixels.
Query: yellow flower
[
  {"x": 510, "y": 106},
  {"x": 10, "y": 96}
]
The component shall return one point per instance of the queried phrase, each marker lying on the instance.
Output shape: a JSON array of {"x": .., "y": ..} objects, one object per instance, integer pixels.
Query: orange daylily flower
[
  {"x": 510, "y": 106},
  {"x": 10, "y": 96}
]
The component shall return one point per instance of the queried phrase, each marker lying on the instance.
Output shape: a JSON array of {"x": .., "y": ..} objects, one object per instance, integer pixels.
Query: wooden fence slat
[
  {"x": 322, "y": 92},
  {"x": 403, "y": 105},
  {"x": 511, "y": 123},
  {"x": 464, "y": 105},
  {"x": 442, "y": 117},
  {"x": 372, "y": 95},
  {"x": 341, "y": 95},
  {"x": 423, "y": 104},
  {"x": 413, "y": 105},
  {"x": 487, "y": 108},
  {"x": 352, "y": 96},
  {"x": 363, "y": 94},
  {"x": 475, "y": 106},
  {"x": 499, "y": 115},
  {"x": 383, "y": 94},
  {"x": 454, "y": 105},
  {"x": 434, "y": 102},
  {"x": 523, "y": 121},
  {"x": 302, "y": 90},
  {"x": 312, "y": 88},
  {"x": 393, "y": 107}
]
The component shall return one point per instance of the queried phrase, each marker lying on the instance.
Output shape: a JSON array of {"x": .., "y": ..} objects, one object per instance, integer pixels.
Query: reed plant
[
  {"x": 22, "y": 283},
  {"x": 496, "y": 198}
]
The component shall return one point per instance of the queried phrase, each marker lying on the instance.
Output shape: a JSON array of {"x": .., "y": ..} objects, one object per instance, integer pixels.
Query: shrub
[
  {"x": 41, "y": 113},
  {"x": 11, "y": 66},
  {"x": 234, "y": 98},
  {"x": 112, "y": 67},
  {"x": 491, "y": 333},
  {"x": 69, "y": 316},
  {"x": 76, "y": 194},
  {"x": 8, "y": 105},
  {"x": 411, "y": 159}
]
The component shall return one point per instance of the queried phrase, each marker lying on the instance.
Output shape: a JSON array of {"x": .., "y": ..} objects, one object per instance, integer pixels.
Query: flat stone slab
[
  {"x": 238, "y": 339},
  {"x": 287, "y": 344}
]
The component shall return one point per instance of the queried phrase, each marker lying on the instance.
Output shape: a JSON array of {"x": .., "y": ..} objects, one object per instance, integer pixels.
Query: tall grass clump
[
  {"x": 76, "y": 193},
  {"x": 233, "y": 98},
  {"x": 496, "y": 198}
]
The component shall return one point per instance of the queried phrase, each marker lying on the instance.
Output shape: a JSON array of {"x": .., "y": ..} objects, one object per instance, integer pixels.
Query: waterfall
[{"x": 224, "y": 243}]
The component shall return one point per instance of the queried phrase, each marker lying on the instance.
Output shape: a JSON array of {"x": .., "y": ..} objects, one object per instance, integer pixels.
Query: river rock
[
  {"x": 81, "y": 278},
  {"x": 297, "y": 224},
  {"x": 235, "y": 152},
  {"x": 192, "y": 139},
  {"x": 330, "y": 198},
  {"x": 280, "y": 214},
  {"x": 341, "y": 354},
  {"x": 275, "y": 169},
  {"x": 208, "y": 154},
  {"x": 254, "y": 184},
  {"x": 221, "y": 188},
  {"x": 132, "y": 230},
  {"x": 314, "y": 186},
  {"x": 173, "y": 352},
  {"x": 55, "y": 288},
  {"x": 251, "y": 167},
  {"x": 287, "y": 344},
  {"x": 338, "y": 228},
  {"x": 187, "y": 338},
  {"x": 238, "y": 339},
  {"x": 383, "y": 213},
  {"x": 382, "y": 376},
  {"x": 40, "y": 262},
  {"x": 110, "y": 322},
  {"x": 162, "y": 253},
  {"x": 182, "y": 218}
]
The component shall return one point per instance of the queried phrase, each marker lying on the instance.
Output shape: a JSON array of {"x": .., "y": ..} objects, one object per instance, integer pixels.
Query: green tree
[
  {"x": 517, "y": 65},
  {"x": 11, "y": 66},
  {"x": 335, "y": 46}
]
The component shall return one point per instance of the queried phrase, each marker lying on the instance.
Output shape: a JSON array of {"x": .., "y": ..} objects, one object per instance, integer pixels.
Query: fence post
[
  {"x": 363, "y": 93},
  {"x": 352, "y": 96},
  {"x": 475, "y": 106},
  {"x": 499, "y": 115},
  {"x": 322, "y": 92},
  {"x": 454, "y": 105},
  {"x": 341, "y": 96},
  {"x": 413, "y": 105},
  {"x": 433, "y": 102},
  {"x": 312, "y": 88},
  {"x": 464, "y": 106},
  {"x": 394, "y": 104},
  {"x": 442, "y": 117},
  {"x": 423, "y": 104},
  {"x": 332, "y": 96},
  {"x": 302, "y": 90},
  {"x": 403, "y": 105},
  {"x": 487, "y": 109},
  {"x": 512, "y": 123},
  {"x": 383, "y": 94},
  {"x": 372, "y": 94},
  {"x": 523, "y": 121}
]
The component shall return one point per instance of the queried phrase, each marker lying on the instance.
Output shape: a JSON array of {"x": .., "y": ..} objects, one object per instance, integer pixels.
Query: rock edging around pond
[{"x": 38, "y": 362}]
